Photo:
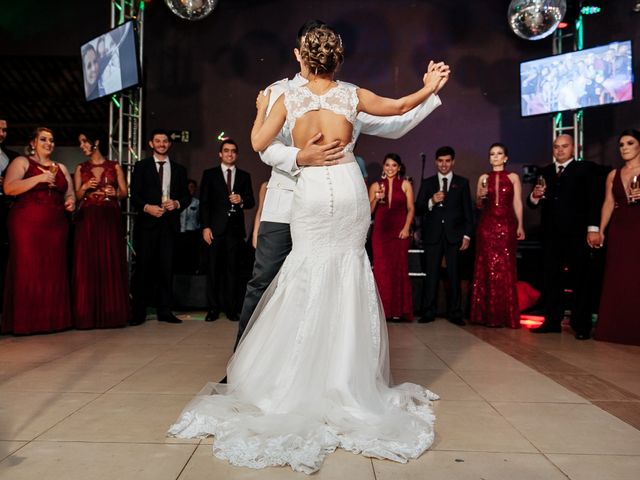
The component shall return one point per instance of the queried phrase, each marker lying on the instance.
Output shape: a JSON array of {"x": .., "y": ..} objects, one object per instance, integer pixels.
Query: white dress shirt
[
  {"x": 449, "y": 177},
  {"x": 281, "y": 155},
  {"x": 166, "y": 175},
  {"x": 233, "y": 174}
]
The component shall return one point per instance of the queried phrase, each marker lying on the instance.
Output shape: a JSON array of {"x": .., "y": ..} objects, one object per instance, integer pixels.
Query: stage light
[
  {"x": 636, "y": 7},
  {"x": 222, "y": 136},
  {"x": 531, "y": 321},
  {"x": 590, "y": 7}
]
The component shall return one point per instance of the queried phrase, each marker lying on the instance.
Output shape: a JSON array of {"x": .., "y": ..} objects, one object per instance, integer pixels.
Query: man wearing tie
[
  {"x": 444, "y": 201},
  {"x": 225, "y": 194},
  {"x": 570, "y": 205},
  {"x": 158, "y": 192},
  {"x": 5, "y": 158}
]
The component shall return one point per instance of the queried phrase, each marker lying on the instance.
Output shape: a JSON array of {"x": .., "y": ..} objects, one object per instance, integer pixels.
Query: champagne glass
[
  {"x": 104, "y": 180},
  {"x": 165, "y": 195},
  {"x": 542, "y": 183},
  {"x": 634, "y": 184},
  {"x": 232, "y": 209},
  {"x": 53, "y": 168},
  {"x": 382, "y": 189},
  {"x": 484, "y": 184}
]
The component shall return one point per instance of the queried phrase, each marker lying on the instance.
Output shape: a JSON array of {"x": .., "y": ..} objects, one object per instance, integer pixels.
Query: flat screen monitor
[
  {"x": 110, "y": 62},
  {"x": 585, "y": 78}
]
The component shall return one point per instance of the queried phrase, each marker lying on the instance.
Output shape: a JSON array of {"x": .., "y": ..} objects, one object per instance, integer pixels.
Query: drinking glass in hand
[
  {"x": 381, "y": 191},
  {"x": 232, "y": 209},
  {"x": 542, "y": 183},
  {"x": 104, "y": 180},
  {"x": 634, "y": 185}
]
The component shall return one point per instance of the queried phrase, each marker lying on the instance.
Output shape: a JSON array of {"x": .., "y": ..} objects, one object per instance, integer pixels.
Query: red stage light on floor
[
  {"x": 562, "y": 25},
  {"x": 531, "y": 321}
]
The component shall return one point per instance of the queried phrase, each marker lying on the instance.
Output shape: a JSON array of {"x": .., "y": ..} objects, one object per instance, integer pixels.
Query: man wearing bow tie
[
  {"x": 444, "y": 201},
  {"x": 570, "y": 205},
  {"x": 159, "y": 193}
]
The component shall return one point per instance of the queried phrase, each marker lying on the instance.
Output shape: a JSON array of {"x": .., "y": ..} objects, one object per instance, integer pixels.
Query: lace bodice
[{"x": 341, "y": 100}]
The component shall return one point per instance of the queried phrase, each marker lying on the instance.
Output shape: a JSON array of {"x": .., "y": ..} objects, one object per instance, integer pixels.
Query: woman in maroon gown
[
  {"x": 494, "y": 300},
  {"x": 391, "y": 200},
  {"x": 36, "y": 298},
  {"x": 100, "y": 277},
  {"x": 619, "y": 316}
]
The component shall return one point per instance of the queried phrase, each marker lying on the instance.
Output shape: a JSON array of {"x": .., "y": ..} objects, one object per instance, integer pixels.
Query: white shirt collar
[
  {"x": 448, "y": 176},
  {"x": 226, "y": 167},
  {"x": 564, "y": 165},
  {"x": 156, "y": 159}
]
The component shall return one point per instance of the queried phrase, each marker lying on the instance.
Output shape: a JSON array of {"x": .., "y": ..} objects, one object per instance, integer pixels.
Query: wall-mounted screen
[
  {"x": 585, "y": 78},
  {"x": 110, "y": 62}
]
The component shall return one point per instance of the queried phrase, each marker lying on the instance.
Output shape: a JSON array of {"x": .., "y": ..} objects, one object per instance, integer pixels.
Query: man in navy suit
[
  {"x": 444, "y": 201},
  {"x": 159, "y": 193},
  {"x": 225, "y": 193}
]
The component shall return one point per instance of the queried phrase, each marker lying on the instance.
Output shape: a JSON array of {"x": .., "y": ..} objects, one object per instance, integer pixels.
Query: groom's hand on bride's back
[{"x": 314, "y": 154}]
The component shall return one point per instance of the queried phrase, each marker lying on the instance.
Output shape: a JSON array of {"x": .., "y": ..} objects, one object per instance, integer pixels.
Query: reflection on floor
[{"x": 96, "y": 405}]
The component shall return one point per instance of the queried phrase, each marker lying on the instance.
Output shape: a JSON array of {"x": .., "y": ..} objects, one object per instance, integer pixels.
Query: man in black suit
[
  {"x": 5, "y": 158},
  {"x": 225, "y": 193},
  {"x": 570, "y": 217},
  {"x": 158, "y": 192},
  {"x": 444, "y": 201}
]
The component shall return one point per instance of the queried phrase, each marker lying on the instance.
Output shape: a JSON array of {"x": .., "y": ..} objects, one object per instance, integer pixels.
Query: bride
[{"x": 311, "y": 372}]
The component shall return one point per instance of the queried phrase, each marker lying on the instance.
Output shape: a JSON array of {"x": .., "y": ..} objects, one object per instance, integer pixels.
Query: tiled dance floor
[{"x": 96, "y": 404}]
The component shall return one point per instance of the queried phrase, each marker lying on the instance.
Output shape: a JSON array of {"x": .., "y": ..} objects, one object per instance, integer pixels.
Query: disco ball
[
  {"x": 191, "y": 9},
  {"x": 535, "y": 19}
]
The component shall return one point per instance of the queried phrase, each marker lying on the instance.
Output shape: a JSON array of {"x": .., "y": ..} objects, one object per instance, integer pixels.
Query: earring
[
  {"x": 31, "y": 151},
  {"x": 94, "y": 147}
]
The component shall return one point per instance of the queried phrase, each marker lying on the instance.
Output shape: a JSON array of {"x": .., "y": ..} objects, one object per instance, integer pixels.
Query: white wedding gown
[{"x": 312, "y": 371}]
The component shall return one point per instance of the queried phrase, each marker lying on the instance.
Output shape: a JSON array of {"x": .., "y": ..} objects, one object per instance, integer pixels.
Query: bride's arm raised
[
  {"x": 373, "y": 104},
  {"x": 265, "y": 129}
]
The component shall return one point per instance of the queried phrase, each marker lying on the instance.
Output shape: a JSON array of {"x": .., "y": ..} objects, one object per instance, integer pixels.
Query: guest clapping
[
  {"x": 494, "y": 300},
  {"x": 37, "y": 288},
  {"x": 620, "y": 302},
  {"x": 100, "y": 275},
  {"x": 391, "y": 200}
]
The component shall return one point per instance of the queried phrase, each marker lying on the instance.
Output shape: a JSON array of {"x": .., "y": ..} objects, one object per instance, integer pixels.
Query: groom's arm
[{"x": 398, "y": 125}]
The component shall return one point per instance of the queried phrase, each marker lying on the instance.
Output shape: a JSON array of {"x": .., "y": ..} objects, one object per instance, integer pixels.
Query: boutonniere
[{"x": 453, "y": 186}]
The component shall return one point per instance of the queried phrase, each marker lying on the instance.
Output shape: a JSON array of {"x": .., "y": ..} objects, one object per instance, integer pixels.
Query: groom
[{"x": 274, "y": 235}]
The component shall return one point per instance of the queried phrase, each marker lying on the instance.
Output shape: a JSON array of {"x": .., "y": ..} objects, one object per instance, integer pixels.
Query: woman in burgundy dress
[
  {"x": 391, "y": 200},
  {"x": 100, "y": 277},
  {"x": 494, "y": 300},
  {"x": 619, "y": 316},
  {"x": 36, "y": 298}
]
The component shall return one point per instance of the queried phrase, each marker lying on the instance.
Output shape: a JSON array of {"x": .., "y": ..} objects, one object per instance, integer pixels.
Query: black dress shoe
[
  {"x": 583, "y": 336},
  {"x": 234, "y": 317},
  {"x": 169, "y": 318},
  {"x": 212, "y": 316},
  {"x": 134, "y": 322},
  {"x": 457, "y": 321},
  {"x": 547, "y": 328},
  {"x": 426, "y": 319}
]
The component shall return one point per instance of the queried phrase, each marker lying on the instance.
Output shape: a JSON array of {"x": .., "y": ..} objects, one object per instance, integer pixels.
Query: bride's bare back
[{"x": 332, "y": 126}]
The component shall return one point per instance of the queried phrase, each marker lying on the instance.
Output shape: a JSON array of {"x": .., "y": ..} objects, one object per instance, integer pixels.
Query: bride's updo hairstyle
[{"x": 322, "y": 50}]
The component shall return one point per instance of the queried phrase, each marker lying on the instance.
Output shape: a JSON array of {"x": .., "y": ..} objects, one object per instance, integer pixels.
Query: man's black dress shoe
[
  {"x": 457, "y": 321},
  {"x": 234, "y": 317},
  {"x": 547, "y": 328},
  {"x": 169, "y": 318},
  {"x": 134, "y": 322},
  {"x": 583, "y": 336},
  {"x": 426, "y": 319},
  {"x": 212, "y": 316}
]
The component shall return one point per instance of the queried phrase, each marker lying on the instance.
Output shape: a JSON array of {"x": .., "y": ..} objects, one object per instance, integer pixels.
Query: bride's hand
[
  {"x": 262, "y": 102},
  {"x": 436, "y": 73}
]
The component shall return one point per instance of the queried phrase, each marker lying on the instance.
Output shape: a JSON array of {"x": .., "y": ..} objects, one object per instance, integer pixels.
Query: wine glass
[
  {"x": 53, "y": 168},
  {"x": 484, "y": 183},
  {"x": 634, "y": 184},
  {"x": 165, "y": 195},
  {"x": 542, "y": 183}
]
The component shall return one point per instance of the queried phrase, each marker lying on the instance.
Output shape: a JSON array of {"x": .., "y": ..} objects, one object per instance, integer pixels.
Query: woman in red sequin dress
[
  {"x": 494, "y": 300},
  {"x": 392, "y": 204},
  {"x": 619, "y": 315},
  {"x": 36, "y": 298},
  {"x": 100, "y": 277}
]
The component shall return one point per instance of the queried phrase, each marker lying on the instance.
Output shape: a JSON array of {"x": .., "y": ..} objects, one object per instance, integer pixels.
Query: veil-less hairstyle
[{"x": 322, "y": 50}]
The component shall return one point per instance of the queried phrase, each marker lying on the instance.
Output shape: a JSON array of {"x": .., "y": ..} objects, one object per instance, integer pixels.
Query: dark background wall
[{"x": 203, "y": 76}]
